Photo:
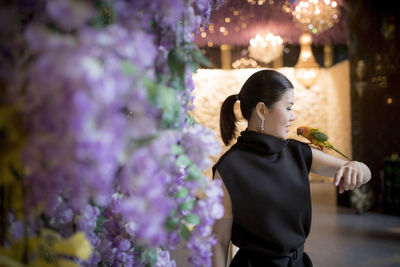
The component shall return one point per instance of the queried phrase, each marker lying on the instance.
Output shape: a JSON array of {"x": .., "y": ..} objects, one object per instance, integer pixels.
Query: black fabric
[{"x": 267, "y": 180}]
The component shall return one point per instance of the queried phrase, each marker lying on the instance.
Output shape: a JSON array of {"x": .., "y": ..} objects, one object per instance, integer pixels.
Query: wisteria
[{"x": 95, "y": 97}]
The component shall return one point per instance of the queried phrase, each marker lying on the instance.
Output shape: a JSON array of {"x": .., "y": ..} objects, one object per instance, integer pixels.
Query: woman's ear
[{"x": 261, "y": 110}]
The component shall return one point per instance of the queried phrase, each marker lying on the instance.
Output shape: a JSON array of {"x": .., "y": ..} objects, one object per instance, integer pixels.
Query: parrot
[{"x": 318, "y": 138}]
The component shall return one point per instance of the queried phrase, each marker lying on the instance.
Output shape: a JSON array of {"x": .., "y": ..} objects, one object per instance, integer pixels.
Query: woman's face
[{"x": 280, "y": 116}]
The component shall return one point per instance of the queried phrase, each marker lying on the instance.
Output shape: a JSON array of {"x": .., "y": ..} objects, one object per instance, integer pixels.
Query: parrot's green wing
[{"x": 319, "y": 136}]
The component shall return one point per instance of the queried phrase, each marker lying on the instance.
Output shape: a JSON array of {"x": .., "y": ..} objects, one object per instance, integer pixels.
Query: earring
[{"x": 262, "y": 124}]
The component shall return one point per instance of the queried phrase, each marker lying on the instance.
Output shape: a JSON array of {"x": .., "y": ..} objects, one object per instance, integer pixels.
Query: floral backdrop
[{"x": 100, "y": 162}]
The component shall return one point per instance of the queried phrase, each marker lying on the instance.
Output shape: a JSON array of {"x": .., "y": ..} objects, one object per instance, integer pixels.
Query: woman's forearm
[
  {"x": 366, "y": 173},
  {"x": 220, "y": 254}
]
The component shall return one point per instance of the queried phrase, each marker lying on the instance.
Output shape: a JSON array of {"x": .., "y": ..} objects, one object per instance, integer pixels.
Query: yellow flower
[
  {"x": 77, "y": 246},
  {"x": 13, "y": 137},
  {"x": 46, "y": 250}
]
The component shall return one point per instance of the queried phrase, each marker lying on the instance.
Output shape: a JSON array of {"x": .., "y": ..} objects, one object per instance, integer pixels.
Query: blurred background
[
  {"x": 342, "y": 57},
  {"x": 354, "y": 96}
]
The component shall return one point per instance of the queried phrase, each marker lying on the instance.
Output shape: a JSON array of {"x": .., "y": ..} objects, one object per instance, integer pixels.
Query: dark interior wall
[{"x": 374, "y": 52}]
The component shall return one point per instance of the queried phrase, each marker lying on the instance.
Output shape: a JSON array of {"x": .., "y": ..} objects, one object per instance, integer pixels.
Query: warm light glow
[
  {"x": 306, "y": 68},
  {"x": 316, "y": 16},
  {"x": 203, "y": 34},
  {"x": 307, "y": 76},
  {"x": 227, "y": 20},
  {"x": 305, "y": 39},
  {"x": 266, "y": 48},
  {"x": 222, "y": 29},
  {"x": 210, "y": 44},
  {"x": 390, "y": 100},
  {"x": 211, "y": 28},
  {"x": 244, "y": 63},
  {"x": 305, "y": 56},
  {"x": 235, "y": 13}
]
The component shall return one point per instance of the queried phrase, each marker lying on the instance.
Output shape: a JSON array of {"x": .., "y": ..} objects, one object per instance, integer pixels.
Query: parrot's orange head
[{"x": 302, "y": 130}]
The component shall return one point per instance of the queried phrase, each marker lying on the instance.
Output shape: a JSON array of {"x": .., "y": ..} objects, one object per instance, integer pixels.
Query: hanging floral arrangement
[{"x": 100, "y": 162}]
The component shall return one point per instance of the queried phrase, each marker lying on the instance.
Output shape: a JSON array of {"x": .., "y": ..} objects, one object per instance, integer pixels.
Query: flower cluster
[{"x": 101, "y": 90}]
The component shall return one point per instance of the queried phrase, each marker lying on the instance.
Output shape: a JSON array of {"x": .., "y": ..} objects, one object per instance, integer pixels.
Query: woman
[{"x": 265, "y": 178}]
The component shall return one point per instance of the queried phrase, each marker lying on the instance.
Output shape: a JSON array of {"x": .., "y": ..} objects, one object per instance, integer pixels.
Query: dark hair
[{"x": 265, "y": 86}]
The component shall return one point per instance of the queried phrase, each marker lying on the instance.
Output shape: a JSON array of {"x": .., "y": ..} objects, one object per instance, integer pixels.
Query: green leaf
[
  {"x": 105, "y": 15},
  {"x": 194, "y": 173},
  {"x": 182, "y": 193},
  {"x": 183, "y": 160},
  {"x": 199, "y": 57},
  {"x": 140, "y": 142},
  {"x": 176, "y": 62},
  {"x": 185, "y": 232},
  {"x": 177, "y": 149},
  {"x": 190, "y": 120},
  {"x": 187, "y": 204},
  {"x": 149, "y": 256},
  {"x": 194, "y": 66},
  {"x": 169, "y": 103},
  {"x": 192, "y": 219},
  {"x": 177, "y": 84},
  {"x": 128, "y": 68},
  {"x": 172, "y": 223},
  {"x": 99, "y": 223},
  {"x": 166, "y": 99}
]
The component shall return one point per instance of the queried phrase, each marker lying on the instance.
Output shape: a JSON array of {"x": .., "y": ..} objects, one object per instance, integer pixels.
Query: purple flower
[
  {"x": 208, "y": 209},
  {"x": 201, "y": 250},
  {"x": 199, "y": 143},
  {"x": 70, "y": 14},
  {"x": 124, "y": 245},
  {"x": 86, "y": 220},
  {"x": 147, "y": 206},
  {"x": 163, "y": 259}
]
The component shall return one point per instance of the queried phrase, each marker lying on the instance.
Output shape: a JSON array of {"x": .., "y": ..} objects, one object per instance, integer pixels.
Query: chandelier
[
  {"x": 266, "y": 48},
  {"x": 306, "y": 69},
  {"x": 315, "y": 16}
]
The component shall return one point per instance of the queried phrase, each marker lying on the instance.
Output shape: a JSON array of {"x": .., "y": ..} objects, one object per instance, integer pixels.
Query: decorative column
[
  {"x": 226, "y": 57},
  {"x": 328, "y": 56},
  {"x": 278, "y": 62}
]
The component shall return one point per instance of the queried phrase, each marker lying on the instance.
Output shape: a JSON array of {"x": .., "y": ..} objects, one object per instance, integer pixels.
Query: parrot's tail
[{"x": 340, "y": 153}]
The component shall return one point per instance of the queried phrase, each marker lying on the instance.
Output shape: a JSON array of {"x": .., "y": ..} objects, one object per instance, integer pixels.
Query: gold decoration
[{"x": 306, "y": 68}]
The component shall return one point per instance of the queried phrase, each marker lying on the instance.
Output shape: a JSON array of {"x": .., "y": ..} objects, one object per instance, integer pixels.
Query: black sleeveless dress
[{"x": 267, "y": 180}]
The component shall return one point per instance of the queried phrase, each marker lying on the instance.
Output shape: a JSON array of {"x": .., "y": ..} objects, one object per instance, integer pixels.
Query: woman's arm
[
  {"x": 222, "y": 229},
  {"x": 347, "y": 174}
]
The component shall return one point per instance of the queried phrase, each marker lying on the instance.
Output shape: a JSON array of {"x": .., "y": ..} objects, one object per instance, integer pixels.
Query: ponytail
[{"x": 227, "y": 119}]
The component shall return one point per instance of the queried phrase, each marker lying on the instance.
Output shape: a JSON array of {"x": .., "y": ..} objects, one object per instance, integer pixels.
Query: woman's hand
[{"x": 351, "y": 175}]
